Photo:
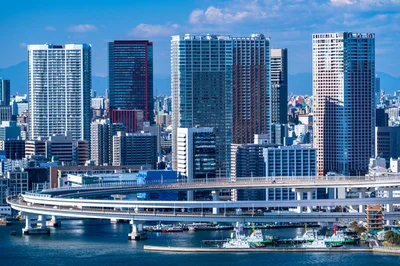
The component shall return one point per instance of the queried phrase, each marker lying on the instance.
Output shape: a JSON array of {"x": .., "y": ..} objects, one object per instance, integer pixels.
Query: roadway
[
  {"x": 312, "y": 182},
  {"x": 203, "y": 216}
]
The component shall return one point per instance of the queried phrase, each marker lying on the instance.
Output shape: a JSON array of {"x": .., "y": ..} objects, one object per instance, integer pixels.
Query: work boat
[
  {"x": 339, "y": 238},
  {"x": 317, "y": 243},
  {"x": 308, "y": 236},
  {"x": 238, "y": 241},
  {"x": 257, "y": 239}
]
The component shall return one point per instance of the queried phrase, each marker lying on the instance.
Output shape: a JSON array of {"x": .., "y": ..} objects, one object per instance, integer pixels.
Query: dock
[{"x": 251, "y": 250}]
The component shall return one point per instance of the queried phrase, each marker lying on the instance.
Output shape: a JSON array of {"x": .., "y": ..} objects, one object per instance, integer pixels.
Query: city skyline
[{"x": 98, "y": 24}]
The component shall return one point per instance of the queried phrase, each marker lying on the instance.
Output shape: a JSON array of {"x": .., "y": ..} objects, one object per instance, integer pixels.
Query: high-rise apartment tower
[
  {"x": 60, "y": 80},
  {"x": 201, "y": 72},
  {"x": 343, "y": 89}
]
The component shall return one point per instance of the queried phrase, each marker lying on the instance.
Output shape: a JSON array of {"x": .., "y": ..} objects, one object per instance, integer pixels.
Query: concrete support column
[
  {"x": 215, "y": 195},
  {"x": 309, "y": 197},
  {"x": 190, "y": 195},
  {"x": 42, "y": 221},
  {"x": 298, "y": 197},
  {"x": 238, "y": 226},
  {"x": 361, "y": 194},
  {"x": 28, "y": 224},
  {"x": 40, "y": 228},
  {"x": 53, "y": 222},
  {"x": 390, "y": 196},
  {"x": 137, "y": 232}
]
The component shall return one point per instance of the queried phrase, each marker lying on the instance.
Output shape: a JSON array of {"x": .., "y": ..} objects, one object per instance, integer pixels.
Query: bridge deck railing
[{"x": 242, "y": 180}]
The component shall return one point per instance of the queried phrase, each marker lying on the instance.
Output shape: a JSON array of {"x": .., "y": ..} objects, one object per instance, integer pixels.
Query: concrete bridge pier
[
  {"x": 53, "y": 222},
  {"x": 215, "y": 195},
  {"x": 361, "y": 195},
  {"x": 309, "y": 197},
  {"x": 137, "y": 232},
  {"x": 37, "y": 227},
  {"x": 389, "y": 206},
  {"x": 299, "y": 194},
  {"x": 298, "y": 197}
]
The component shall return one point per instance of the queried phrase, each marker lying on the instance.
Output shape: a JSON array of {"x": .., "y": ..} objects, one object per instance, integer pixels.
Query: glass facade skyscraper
[
  {"x": 131, "y": 76},
  {"x": 4, "y": 92},
  {"x": 60, "y": 80},
  {"x": 251, "y": 112},
  {"x": 279, "y": 86},
  {"x": 344, "y": 113},
  {"x": 201, "y": 72}
]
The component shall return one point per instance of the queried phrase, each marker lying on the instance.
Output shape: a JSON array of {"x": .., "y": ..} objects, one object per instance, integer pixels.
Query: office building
[
  {"x": 387, "y": 143},
  {"x": 279, "y": 85},
  {"x": 130, "y": 66},
  {"x": 377, "y": 96},
  {"x": 59, "y": 148},
  {"x": 288, "y": 161},
  {"x": 201, "y": 72},
  {"x": 14, "y": 148},
  {"x": 9, "y": 130},
  {"x": 196, "y": 150},
  {"x": 155, "y": 130},
  {"x": 251, "y": 92},
  {"x": 102, "y": 140},
  {"x": 4, "y": 92},
  {"x": 59, "y": 90},
  {"x": 135, "y": 149},
  {"x": 247, "y": 160},
  {"x": 344, "y": 112},
  {"x": 132, "y": 118},
  {"x": 5, "y": 113},
  {"x": 196, "y": 153},
  {"x": 381, "y": 116}
]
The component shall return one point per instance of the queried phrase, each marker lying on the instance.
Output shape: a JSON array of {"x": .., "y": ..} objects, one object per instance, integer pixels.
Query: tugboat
[
  {"x": 308, "y": 236},
  {"x": 239, "y": 241},
  {"x": 339, "y": 238},
  {"x": 257, "y": 239}
]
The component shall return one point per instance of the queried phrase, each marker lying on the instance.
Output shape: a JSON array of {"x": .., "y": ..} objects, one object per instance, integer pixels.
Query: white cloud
[
  {"x": 149, "y": 30},
  {"x": 23, "y": 45},
  {"x": 82, "y": 28},
  {"x": 342, "y": 2},
  {"x": 365, "y": 4},
  {"x": 216, "y": 15},
  {"x": 195, "y": 16},
  {"x": 50, "y": 28}
]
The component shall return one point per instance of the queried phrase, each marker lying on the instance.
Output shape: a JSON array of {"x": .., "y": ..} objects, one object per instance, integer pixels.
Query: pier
[{"x": 248, "y": 250}]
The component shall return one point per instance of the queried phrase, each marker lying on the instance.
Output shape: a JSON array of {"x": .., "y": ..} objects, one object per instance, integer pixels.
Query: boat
[
  {"x": 5, "y": 222},
  {"x": 333, "y": 245},
  {"x": 339, "y": 238},
  {"x": 210, "y": 227},
  {"x": 317, "y": 243},
  {"x": 257, "y": 239},
  {"x": 171, "y": 229},
  {"x": 238, "y": 241},
  {"x": 308, "y": 236}
]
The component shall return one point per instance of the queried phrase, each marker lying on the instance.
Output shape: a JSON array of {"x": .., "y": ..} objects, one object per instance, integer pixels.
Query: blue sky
[{"x": 289, "y": 23}]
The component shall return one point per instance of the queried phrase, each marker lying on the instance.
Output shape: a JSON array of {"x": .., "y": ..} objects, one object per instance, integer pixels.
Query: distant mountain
[
  {"x": 389, "y": 83},
  {"x": 300, "y": 83},
  {"x": 18, "y": 76}
]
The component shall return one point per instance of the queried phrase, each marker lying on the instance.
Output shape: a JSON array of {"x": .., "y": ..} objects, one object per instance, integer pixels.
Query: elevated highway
[
  {"x": 81, "y": 202},
  {"x": 295, "y": 182}
]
